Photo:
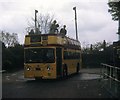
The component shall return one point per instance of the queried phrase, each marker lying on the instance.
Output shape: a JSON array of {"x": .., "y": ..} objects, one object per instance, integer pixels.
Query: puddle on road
[
  {"x": 82, "y": 76},
  {"x": 87, "y": 76},
  {"x": 21, "y": 78}
]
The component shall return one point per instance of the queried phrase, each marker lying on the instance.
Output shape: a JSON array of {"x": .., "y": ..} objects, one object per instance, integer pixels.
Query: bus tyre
[
  {"x": 78, "y": 67},
  {"x": 65, "y": 71},
  {"x": 37, "y": 78}
]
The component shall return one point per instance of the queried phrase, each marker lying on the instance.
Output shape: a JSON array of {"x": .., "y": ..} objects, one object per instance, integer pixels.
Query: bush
[{"x": 13, "y": 57}]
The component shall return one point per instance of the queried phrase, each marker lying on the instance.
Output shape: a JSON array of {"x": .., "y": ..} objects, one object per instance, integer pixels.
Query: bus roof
[{"x": 50, "y": 39}]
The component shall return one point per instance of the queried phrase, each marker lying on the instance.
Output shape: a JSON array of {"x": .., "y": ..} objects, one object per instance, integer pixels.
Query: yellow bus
[{"x": 51, "y": 56}]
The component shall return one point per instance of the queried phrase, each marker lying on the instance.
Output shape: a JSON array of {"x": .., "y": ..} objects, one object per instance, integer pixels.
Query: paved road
[{"x": 83, "y": 85}]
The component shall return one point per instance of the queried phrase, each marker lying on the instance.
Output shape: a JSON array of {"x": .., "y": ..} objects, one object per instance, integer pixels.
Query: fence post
[{"x": 113, "y": 83}]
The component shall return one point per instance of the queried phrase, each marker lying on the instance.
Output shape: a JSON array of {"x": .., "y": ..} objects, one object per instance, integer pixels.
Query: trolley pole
[
  {"x": 74, "y": 8},
  {"x": 36, "y": 11},
  {"x": 119, "y": 23}
]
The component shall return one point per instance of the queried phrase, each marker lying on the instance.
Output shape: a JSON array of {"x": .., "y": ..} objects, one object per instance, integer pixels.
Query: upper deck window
[
  {"x": 44, "y": 37},
  {"x": 35, "y": 38}
]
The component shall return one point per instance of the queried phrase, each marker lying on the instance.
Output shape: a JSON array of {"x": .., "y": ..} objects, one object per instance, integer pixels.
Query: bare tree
[
  {"x": 44, "y": 22},
  {"x": 9, "y": 39},
  {"x": 114, "y": 9},
  {"x": 98, "y": 46}
]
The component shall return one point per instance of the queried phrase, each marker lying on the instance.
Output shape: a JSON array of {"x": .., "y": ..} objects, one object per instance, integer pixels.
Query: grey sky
[{"x": 94, "y": 22}]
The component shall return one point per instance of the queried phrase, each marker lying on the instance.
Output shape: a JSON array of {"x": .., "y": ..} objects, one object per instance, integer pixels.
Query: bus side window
[{"x": 65, "y": 54}]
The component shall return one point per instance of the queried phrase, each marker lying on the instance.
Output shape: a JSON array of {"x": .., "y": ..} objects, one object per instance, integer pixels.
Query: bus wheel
[
  {"x": 78, "y": 67},
  {"x": 37, "y": 78},
  {"x": 65, "y": 71}
]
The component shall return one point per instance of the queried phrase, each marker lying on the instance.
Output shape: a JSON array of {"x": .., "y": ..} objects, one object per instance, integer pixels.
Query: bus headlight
[
  {"x": 48, "y": 68},
  {"x": 28, "y": 68}
]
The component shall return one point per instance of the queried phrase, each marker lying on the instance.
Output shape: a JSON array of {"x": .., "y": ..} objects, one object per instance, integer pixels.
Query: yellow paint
[
  {"x": 44, "y": 73},
  {"x": 32, "y": 73},
  {"x": 27, "y": 40}
]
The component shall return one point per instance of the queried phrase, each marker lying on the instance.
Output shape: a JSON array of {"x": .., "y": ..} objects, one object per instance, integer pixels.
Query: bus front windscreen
[{"x": 40, "y": 55}]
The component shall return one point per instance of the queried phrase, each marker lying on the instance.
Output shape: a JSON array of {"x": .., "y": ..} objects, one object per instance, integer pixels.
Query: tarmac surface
[{"x": 86, "y": 84}]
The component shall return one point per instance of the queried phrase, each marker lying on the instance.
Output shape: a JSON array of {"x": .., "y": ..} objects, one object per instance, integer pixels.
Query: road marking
[
  {"x": 20, "y": 80},
  {"x": 99, "y": 94},
  {"x": 2, "y": 71},
  {"x": 7, "y": 78},
  {"x": 13, "y": 74},
  {"x": 78, "y": 85},
  {"x": 20, "y": 87}
]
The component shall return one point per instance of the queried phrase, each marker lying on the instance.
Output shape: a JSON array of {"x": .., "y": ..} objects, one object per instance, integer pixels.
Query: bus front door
[{"x": 59, "y": 62}]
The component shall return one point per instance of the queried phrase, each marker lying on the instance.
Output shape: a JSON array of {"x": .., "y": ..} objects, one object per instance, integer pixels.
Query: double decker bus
[{"x": 51, "y": 56}]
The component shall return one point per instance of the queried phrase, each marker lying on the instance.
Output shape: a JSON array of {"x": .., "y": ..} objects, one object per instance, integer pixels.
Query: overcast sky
[{"x": 94, "y": 22}]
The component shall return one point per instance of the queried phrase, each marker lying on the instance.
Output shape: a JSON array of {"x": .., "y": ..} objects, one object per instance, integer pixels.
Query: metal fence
[{"x": 111, "y": 79}]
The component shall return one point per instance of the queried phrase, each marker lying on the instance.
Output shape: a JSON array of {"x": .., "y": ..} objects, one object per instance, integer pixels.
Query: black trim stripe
[
  {"x": 56, "y": 45},
  {"x": 50, "y": 35}
]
